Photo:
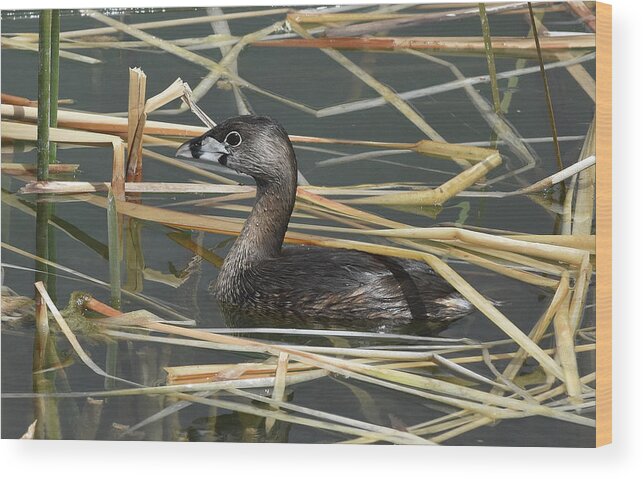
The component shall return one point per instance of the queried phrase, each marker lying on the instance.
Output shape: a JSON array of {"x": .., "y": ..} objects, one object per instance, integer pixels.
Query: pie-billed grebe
[{"x": 311, "y": 283}]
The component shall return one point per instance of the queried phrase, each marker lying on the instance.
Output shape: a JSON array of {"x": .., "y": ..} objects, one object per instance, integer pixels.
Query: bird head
[{"x": 253, "y": 145}]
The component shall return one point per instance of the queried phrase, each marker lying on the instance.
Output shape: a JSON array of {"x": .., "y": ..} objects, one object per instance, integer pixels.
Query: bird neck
[{"x": 263, "y": 232}]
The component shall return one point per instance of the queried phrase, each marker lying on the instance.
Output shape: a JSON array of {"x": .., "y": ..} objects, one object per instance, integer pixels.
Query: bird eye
[{"x": 233, "y": 138}]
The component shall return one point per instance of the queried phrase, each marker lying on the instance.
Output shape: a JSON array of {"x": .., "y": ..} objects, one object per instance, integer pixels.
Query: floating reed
[
  {"x": 300, "y": 17},
  {"x": 186, "y": 167},
  {"x": 226, "y": 226},
  {"x": 7, "y": 99},
  {"x": 396, "y": 23},
  {"x": 75, "y": 187},
  {"x": 279, "y": 389},
  {"x": 21, "y": 169},
  {"x": 577, "y": 71},
  {"x": 545, "y": 183},
  {"x": 100, "y": 123},
  {"x": 228, "y": 61},
  {"x": 584, "y": 12},
  {"x": 176, "y": 22},
  {"x": 192, "y": 57},
  {"x": 436, "y": 149},
  {"x": 507, "y": 46},
  {"x": 222, "y": 27},
  {"x": 108, "y": 123},
  {"x": 501, "y": 128},
  {"x": 441, "y": 194},
  {"x": 549, "y": 252},
  {"x": 31, "y": 46},
  {"x": 387, "y": 375},
  {"x": 385, "y": 92},
  {"x": 334, "y": 365},
  {"x": 449, "y": 86}
]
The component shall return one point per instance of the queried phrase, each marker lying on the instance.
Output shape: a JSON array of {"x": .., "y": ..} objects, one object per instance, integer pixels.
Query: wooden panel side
[{"x": 604, "y": 224}]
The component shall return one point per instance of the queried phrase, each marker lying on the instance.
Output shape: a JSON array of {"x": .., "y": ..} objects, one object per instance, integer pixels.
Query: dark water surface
[{"x": 310, "y": 77}]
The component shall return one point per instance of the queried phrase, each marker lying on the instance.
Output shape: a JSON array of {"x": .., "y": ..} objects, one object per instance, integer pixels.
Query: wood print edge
[{"x": 604, "y": 224}]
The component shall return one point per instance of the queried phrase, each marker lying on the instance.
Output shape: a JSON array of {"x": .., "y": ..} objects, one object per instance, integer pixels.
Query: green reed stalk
[
  {"x": 55, "y": 77},
  {"x": 114, "y": 251},
  {"x": 54, "y": 62},
  {"x": 42, "y": 239},
  {"x": 44, "y": 355},
  {"x": 42, "y": 208},
  {"x": 44, "y": 98},
  {"x": 113, "y": 243},
  {"x": 512, "y": 82},
  {"x": 550, "y": 107},
  {"x": 491, "y": 62},
  {"x": 45, "y": 410}
]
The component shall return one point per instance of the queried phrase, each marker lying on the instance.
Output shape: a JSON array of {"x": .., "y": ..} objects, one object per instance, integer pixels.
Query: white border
[{"x": 113, "y": 459}]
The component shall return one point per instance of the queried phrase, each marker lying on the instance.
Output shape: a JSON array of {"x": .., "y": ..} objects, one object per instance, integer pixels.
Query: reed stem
[
  {"x": 43, "y": 145},
  {"x": 114, "y": 251},
  {"x": 42, "y": 239},
  {"x": 550, "y": 107},
  {"x": 53, "y": 123},
  {"x": 491, "y": 65},
  {"x": 44, "y": 90},
  {"x": 54, "y": 77}
]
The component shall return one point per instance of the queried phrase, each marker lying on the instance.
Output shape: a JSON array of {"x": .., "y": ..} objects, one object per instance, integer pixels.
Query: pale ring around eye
[{"x": 233, "y": 138}]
